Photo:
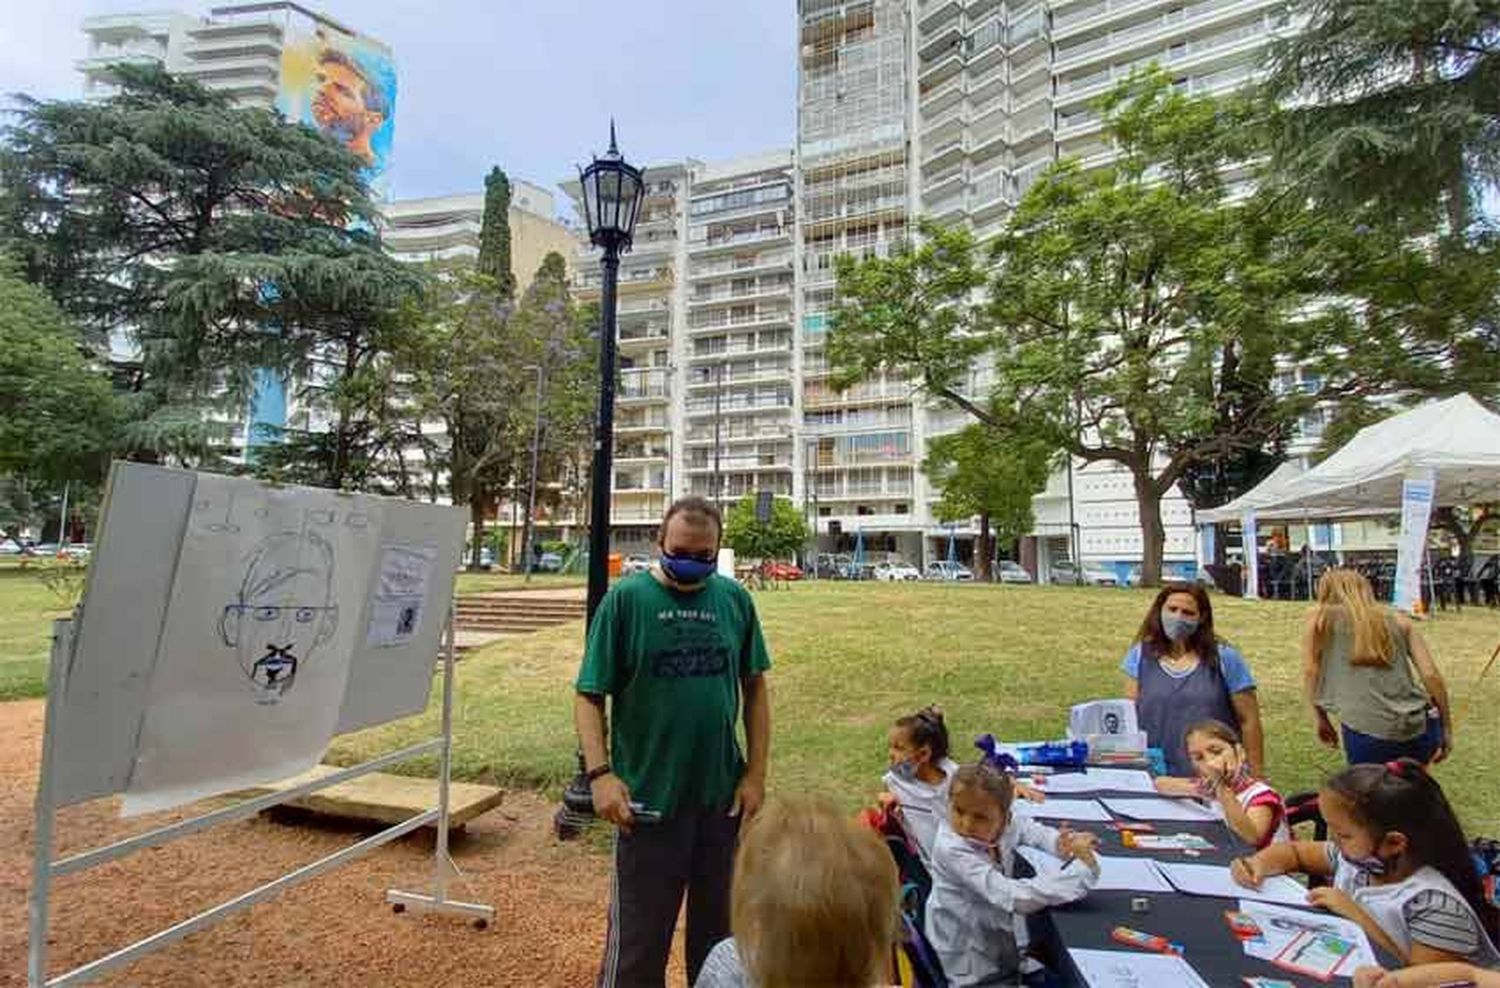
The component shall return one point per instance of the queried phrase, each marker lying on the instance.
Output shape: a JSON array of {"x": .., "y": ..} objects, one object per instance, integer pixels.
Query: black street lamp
[{"x": 612, "y": 192}]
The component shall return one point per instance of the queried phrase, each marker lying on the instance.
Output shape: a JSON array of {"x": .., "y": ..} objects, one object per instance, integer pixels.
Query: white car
[
  {"x": 949, "y": 571},
  {"x": 636, "y": 562},
  {"x": 896, "y": 572},
  {"x": 1009, "y": 571}
]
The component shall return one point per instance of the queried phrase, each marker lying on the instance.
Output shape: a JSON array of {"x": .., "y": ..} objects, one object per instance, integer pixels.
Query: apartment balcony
[
  {"x": 944, "y": 95},
  {"x": 646, "y": 394},
  {"x": 101, "y": 64},
  {"x": 939, "y": 186},
  {"x": 878, "y": 423},
  {"x": 643, "y": 308},
  {"x": 949, "y": 209},
  {"x": 985, "y": 86},
  {"x": 635, "y": 454},
  {"x": 942, "y": 69},
  {"x": 631, "y": 280},
  {"x": 650, "y": 336},
  {"x": 766, "y": 263},
  {"x": 990, "y": 193},
  {"x": 736, "y": 433},
  {"x": 938, "y": 127},
  {"x": 1173, "y": 25},
  {"x": 978, "y": 8},
  {"x": 767, "y": 375},
  {"x": 935, "y": 14},
  {"x": 630, "y": 427},
  {"x": 262, "y": 43},
  {"x": 637, "y": 485},
  {"x": 699, "y": 408},
  {"x": 759, "y": 319},
  {"x": 719, "y": 355},
  {"x": 987, "y": 47},
  {"x": 946, "y": 36},
  {"x": 945, "y": 154},
  {"x": 731, "y": 296},
  {"x": 860, "y": 394},
  {"x": 767, "y": 236},
  {"x": 653, "y": 243}
]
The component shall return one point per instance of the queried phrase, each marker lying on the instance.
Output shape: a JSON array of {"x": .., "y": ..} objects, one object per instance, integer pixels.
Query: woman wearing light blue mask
[{"x": 1180, "y": 673}]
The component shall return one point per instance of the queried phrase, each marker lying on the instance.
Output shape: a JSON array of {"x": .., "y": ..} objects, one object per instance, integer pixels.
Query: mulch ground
[{"x": 550, "y": 898}]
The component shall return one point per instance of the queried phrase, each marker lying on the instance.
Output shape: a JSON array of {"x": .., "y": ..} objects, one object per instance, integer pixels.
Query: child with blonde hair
[
  {"x": 814, "y": 903},
  {"x": 1357, "y": 663}
]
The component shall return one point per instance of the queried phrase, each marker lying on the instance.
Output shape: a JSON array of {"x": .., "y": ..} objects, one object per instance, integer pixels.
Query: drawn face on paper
[{"x": 284, "y": 610}]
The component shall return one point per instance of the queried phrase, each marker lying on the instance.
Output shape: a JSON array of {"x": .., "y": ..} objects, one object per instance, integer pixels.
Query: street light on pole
[
  {"x": 527, "y": 553},
  {"x": 612, "y": 193}
]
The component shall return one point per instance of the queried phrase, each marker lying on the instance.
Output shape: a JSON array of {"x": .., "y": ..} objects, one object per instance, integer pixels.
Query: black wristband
[{"x": 597, "y": 773}]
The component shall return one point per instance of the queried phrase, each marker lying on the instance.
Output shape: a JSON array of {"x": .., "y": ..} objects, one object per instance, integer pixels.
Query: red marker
[{"x": 1144, "y": 941}]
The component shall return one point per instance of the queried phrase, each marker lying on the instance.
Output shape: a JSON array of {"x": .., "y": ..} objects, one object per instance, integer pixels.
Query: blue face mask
[
  {"x": 904, "y": 770},
  {"x": 1178, "y": 628},
  {"x": 687, "y": 570}
]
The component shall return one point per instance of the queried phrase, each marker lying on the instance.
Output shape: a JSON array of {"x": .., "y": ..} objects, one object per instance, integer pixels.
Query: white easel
[{"x": 44, "y": 869}]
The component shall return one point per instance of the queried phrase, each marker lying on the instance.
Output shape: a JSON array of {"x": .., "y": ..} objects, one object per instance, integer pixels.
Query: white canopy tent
[
  {"x": 1456, "y": 438},
  {"x": 1440, "y": 453},
  {"x": 1266, "y": 492}
]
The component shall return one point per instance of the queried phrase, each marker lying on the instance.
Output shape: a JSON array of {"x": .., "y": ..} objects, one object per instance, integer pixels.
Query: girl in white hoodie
[{"x": 976, "y": 902}]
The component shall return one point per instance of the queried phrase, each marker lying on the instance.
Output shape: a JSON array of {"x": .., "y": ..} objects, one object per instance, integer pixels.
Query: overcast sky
[{"x": 529, "y": 85}]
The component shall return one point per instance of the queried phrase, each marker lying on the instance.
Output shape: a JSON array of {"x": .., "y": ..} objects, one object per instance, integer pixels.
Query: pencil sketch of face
[{"x": 284, "y": 610}]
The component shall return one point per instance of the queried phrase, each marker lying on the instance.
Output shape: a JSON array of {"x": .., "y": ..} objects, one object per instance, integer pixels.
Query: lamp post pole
[
  {"x": 536, "y": 447},
  {"x": 612, "y": 192}
]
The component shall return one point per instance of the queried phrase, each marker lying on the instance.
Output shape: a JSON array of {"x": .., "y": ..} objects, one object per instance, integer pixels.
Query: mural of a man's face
[
  {"x": 345, "y": 108},
  {"x": 284, "y": 610}
]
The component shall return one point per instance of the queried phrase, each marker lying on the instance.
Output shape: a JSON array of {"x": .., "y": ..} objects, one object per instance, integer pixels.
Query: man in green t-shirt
[{"x": 676, "y": 649}]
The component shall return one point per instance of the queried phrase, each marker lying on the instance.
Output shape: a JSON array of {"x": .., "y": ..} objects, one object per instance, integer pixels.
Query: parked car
[
  {"x": 1092, "y": 574},
  {"x": 1010, "y": 571},
  {"x": 944, "y": 570},
  {"x": 548, "y": 562},
  {"x": 783, "y": 571},
  {"x": 850, "y": 570},
  {"x": 896, "y": 571},
  {"x": 10, "y": 547},
  {"x": 636, "y": 562}
]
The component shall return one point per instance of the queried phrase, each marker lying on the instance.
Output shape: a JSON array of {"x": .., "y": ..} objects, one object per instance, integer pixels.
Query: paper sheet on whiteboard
[
  {"x": 400, "y": 594},
  {"x": 254, "y": 656}
]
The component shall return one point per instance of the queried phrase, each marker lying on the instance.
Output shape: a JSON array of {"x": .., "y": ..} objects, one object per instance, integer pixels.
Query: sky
[{"x": 529, "y": 85}]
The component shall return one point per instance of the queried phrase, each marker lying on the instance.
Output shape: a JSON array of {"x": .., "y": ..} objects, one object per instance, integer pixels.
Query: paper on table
[
  {"x": 1115, "y": 874},
  {"x": 1161, "y": 809},
  {"x": 1280, "y": 926},
  {"x": 1096, "y": 779},
  {"x": 1122, "y": 969},
  {"x": 1083, "y": 810},
  {"x": 1206, "y": 879}
]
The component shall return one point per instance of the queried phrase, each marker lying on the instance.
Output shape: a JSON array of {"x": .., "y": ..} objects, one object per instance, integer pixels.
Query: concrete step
[{"x": 512, "y": 609}]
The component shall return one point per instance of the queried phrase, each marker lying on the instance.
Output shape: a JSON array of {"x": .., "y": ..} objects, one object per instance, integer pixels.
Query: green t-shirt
[{"x": 672, "y": 662}]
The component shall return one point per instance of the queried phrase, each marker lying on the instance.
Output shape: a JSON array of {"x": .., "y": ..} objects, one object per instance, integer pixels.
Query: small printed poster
[{"x": 400, "y": 594}]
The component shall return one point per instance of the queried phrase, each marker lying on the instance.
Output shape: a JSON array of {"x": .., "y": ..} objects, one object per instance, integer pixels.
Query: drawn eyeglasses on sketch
[{"x": 283, "y": 611}]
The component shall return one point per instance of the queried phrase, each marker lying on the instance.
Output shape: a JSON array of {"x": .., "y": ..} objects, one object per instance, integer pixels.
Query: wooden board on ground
[{"x": 385, "y": 798}]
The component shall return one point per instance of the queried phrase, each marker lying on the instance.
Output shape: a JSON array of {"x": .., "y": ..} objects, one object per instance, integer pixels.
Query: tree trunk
[
  {"x": 984, "y": 551},
  {"x": 476, "y": 520},
  {"x": 1153, "y": 533}
]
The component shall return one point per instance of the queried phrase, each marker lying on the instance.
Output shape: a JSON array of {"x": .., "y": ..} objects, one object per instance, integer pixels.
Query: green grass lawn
[
  {"x": 850, "y": 658},
  {"x": 27, "y": 608},
  {"x": 483, "y": 582}
]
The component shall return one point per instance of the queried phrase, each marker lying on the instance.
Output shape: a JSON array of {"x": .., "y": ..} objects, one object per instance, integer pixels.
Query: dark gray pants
[{"x": 692, "y": 852}]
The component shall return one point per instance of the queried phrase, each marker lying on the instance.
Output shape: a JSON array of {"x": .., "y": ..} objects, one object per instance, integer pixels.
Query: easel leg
[
  {"x": 442, "y": 864},
  {"x": 46, "y": 811}
]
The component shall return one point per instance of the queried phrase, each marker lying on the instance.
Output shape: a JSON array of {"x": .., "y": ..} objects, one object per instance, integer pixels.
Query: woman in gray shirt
[{"x": 1357, "y": 663}]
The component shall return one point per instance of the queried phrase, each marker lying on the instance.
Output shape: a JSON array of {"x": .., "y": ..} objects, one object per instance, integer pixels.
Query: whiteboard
[{"x": 129, "y": 653}]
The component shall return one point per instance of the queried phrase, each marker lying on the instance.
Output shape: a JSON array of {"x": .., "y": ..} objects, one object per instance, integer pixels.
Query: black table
[{"x": 1194, "y": 921}]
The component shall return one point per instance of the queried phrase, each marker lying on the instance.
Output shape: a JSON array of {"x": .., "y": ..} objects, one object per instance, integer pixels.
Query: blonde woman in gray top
[{"x": 1370, "y": 667}]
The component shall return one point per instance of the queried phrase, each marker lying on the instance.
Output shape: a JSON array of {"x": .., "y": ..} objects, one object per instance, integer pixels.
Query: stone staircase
[{"x": 519, "y": 612}]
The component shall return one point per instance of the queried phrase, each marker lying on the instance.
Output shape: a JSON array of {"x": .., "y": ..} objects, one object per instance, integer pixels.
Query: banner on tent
[
  {"x": 1251, "y": 544},
  {"x": 1417, "y": 491}
]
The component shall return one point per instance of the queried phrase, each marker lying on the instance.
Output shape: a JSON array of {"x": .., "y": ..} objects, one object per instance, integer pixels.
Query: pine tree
[{"x": 494, "y": 234}]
